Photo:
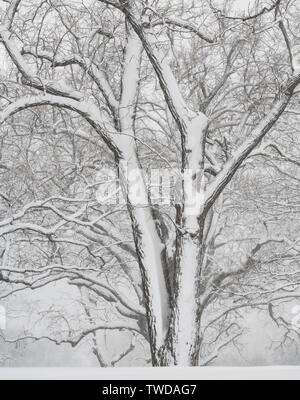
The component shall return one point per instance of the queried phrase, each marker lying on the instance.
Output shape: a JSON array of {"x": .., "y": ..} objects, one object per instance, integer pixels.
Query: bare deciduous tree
[{"x": 135, "y": 85}]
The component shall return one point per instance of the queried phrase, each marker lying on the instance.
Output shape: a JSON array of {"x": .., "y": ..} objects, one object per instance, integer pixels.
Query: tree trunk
[
  {"x": 185, "y": 335},
  {"x": 149, "y": 251},
  {"x": 149, "y": 246},
  {"x": 184, "y": 341}
]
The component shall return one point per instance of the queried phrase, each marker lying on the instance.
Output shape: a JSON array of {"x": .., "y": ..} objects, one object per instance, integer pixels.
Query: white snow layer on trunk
[
  {"x": 194, "y": 144},
  {"x": 193, "y": 176},
  {"x": 148, "y": 241},
  {"x": 187, "y": 302}
]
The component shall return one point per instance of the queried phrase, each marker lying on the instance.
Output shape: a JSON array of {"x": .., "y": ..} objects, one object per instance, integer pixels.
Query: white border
[{"x": 150, "y": 374}]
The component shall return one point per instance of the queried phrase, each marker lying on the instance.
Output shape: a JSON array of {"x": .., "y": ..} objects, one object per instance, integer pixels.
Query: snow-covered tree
[{"x": 134, "y": 85}]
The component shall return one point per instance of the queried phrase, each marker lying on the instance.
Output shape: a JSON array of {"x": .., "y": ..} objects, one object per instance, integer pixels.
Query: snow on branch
[
  {"x": 169, "y": 85},
  {"x": 113, "y": 292},
  {"x": 242, "y": 153},
  {"x": 76, "y": 276},
  {"x": 274, "y": 7},
  {"x": 29, "y": 76},
  {"x": 129, "y": 325},
  {"x": 94, "y": 72},
  {"x": 87, "y": 110},
  {"x": 184, "y": 25}
]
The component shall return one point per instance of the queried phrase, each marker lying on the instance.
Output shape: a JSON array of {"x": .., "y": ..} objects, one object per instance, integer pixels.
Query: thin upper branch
[
  {"x": 186, "y": 26},
  {"x": 258, "y": 14},
  {"x": 11, "y": 12}
]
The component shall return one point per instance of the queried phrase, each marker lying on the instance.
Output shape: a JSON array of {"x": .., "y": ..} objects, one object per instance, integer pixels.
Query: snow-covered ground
[{"x": 272, "y": 373}]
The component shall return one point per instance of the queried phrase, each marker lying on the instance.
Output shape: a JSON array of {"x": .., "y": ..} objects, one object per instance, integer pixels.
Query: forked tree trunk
[{"x": 183, "y": 341}]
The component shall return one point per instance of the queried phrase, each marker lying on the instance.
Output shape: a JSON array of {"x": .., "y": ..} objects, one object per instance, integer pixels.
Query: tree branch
[
  {"x": 87, "y": 110},
  {"x": 11, "y": 12},
  {"x": 74, "y": 342},
  {"x": 29, "y": 76},
  {"x": 168, "y": 83},
  {"x": 230, "y": 168},
  {"x": 184, "y": 25},
  {"x": 94, "y": 72}
]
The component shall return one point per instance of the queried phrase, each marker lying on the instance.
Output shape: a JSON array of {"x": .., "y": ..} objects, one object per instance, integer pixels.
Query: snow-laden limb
[
  {"x": 120, "y": 297},
  {"x": 87, "y": 110},
  {"x": 36, "y": 205},
  {"x": 169, "y": 85},
  {"x": 103, "y": 293},
  {"x": 100, "y": 231},
  {"x": 34, "y": 279},
  {"x": 29, "y": 75},
  {"x": 187, "y": 26},
  {"x": 257, "y": 285},
  {"x": 31, "y": 227},
  {"x": 127, "y": 320},
  {"x": 8, "y": 227},
  {"x": 21, "y": 284},
  {"x": 263, "y": 11},
  {"x": 97, "y": 75},
  {"x": 48, "y": 275},
  {"x": 104, "y": 235},
  {"x": 257, "y": 135},
  {"x": 262, "y": 152}
]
